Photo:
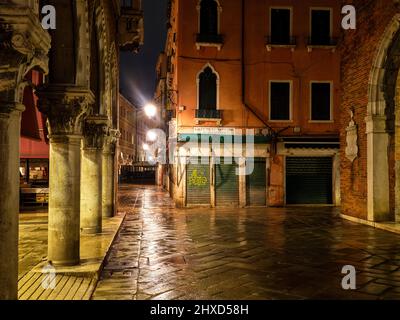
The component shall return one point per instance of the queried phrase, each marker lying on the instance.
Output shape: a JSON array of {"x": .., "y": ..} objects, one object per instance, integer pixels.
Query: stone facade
[{"x": 80, "y": 101}]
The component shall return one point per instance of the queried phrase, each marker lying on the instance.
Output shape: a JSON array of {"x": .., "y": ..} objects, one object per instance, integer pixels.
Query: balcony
[
  {"x": 322, "y": 43},
  {"x": 209, "y": 40},
  {"x": 204, "y": 115},
  {"x": 130, "y": 25},
  {"x": 275, "y": 42}
]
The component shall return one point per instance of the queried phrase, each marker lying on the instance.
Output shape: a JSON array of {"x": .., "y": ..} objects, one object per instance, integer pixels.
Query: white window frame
[
  {"x": 330, "y": 9},
  {"x": 204, "y": 44},
  {"x": 331, "y": 102},
  {"x": 219, "y": 15},
  {"x": 291, "y": 18},
  {"x": 198, "y": 84},
  {"x": 290, "y": 100}
]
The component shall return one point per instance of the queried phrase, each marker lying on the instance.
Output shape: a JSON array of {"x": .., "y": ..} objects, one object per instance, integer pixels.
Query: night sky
[{"x": 138, "y": 75}]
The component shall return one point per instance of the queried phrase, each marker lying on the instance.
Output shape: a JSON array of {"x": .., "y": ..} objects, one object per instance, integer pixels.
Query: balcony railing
[
  {"x": 322, "y": 42},
  {"x": 209, "y": 38},
  {"x": 288, "y": 42},
  {"x": 208, "y": 114},
  {"x": 275, "y": 41}
]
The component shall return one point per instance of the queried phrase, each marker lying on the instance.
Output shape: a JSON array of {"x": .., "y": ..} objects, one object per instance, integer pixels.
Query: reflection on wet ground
[{"x": 254, "y": 253}]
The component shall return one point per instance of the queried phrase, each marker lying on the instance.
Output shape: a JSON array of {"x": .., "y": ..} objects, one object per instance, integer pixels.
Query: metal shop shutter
[
  {"x": 309, "y": 180},
  {"x": 226, "y": 183},
  {"x": 256, "y": 184},
  {"x": 198, "y": 184}
]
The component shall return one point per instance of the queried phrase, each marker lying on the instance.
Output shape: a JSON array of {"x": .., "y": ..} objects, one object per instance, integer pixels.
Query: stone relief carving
[
  {"x": 94, "y": 131},
  {"x": 111, "y": 139},
  {"x": 351, "y": 139}
]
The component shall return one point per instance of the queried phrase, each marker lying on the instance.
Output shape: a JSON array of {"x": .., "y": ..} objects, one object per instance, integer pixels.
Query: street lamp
[
  {"x": 150, "y": 110},
  {"x": 151, "y": 135}
]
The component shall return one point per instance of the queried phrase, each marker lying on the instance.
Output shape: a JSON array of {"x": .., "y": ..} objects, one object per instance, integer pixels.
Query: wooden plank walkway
[{"x": 32, "y": 287}]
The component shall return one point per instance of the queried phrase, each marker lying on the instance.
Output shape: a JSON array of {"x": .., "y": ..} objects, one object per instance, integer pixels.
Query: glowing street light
[
  {"x": 146, "y": 147},
  {"x": 150, "y": 110},
  {"x": 151, "y": 135}
]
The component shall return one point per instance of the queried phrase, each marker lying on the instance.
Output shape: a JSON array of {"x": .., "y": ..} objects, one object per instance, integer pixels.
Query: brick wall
[{"x": 358, "y": 49}]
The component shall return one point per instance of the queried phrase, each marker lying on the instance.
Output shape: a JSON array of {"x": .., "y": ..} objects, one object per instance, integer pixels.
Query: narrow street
[{"x": 295, "y": 253}]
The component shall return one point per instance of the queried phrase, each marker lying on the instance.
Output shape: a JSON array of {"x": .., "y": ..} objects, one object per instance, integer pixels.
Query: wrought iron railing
[
  {"x": 209, "y": 38},
  {"x": 316, "y": 41},
  {"x": 208, "y": 114},
  {"x": 285, "y": 41}
]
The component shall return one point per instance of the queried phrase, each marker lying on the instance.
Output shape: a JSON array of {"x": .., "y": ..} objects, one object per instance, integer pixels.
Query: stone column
[
  {"x": 92, "y": 168},
  {"x": 24, "y": 46},
  {"x": 378, "y": 170},
  {"x": 108, "y": 174},
  {"x": 65, "y": 108},
  {"x": 10, "y": 124}
]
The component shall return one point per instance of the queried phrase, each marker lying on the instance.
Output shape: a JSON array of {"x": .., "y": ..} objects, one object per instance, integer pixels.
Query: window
[
  {"x": 209, "y": 25},
  {"x": 280, "y": 100},
  {"x": 321, "y": 100},
  {"x": 126, "y": 3},
  {"x": 208, "y": 17},
  {"x": 280, "y": 25},
  {"x": 320, "y": 27},
  {"x": 207, "y": 90}
]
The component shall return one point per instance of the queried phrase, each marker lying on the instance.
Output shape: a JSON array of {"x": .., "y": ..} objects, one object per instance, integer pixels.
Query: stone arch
[
  {"x": 114, "y": 87},
  {"x": 208, "y": 65},
  {"x": 382, "y": 106},
  {"x": 98, "y": 28},
  {"x": 219, "y": 11}
]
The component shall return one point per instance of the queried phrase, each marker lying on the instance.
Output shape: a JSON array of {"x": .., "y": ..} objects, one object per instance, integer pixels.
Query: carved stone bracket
[
  {"x": 65, "y": 108},
  {"x": 351, "y": 139},
  {"x": 110, "y": 140},
  {"x": 94, "y": 131},
  {"x": 24, "y": 45}
]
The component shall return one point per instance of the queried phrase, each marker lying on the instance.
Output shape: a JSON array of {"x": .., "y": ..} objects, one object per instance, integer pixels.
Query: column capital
[
  {"x": 9, "y": 108},
  {"x": 65, "y": 108},
  {"x": 376, "y": 124},
  {"x": 24, "y": 45},
  {"x": 94, "y": 130}
]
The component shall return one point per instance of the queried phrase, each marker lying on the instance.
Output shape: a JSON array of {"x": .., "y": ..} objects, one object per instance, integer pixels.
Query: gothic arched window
[
  {"x": 207, "y": 90},
  {"x": 208, "y": 17}
]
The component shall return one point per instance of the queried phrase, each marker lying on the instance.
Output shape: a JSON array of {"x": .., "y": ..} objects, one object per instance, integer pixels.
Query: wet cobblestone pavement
[{"x": 259, "y": 253}]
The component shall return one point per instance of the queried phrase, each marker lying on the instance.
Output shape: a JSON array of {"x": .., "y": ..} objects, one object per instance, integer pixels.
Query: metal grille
[
  {"x": 309, "y": 180},
  {"x": 256, "y": 184},
  {"x": 198, "y": 184},
  {"x": 226, "y": 183}
]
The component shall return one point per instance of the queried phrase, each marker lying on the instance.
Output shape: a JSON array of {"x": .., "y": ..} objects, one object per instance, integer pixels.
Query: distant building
[
  {"x": 127, "y": 126},
  {"x": 270, "y": 67}
]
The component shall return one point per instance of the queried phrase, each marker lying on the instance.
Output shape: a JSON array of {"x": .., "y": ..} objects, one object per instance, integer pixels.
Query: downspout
[
  {"x": 247, "y": 106},
  {"x": 273, "y": 133}
]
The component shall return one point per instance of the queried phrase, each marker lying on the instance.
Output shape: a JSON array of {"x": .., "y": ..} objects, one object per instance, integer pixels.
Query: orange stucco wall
[{"x": 299, "y": 66}]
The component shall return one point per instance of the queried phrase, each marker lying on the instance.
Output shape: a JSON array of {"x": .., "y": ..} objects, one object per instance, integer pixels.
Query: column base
[
  {"x": 94, "y": 230},
  {"x": 67, "y": 263}
]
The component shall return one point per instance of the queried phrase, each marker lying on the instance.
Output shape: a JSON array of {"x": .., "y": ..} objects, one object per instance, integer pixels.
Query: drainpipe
[{"x": 273, "y": 133}]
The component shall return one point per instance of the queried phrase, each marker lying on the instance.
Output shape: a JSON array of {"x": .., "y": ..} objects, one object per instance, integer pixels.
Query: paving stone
[{"x": 253, "y": 253}]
